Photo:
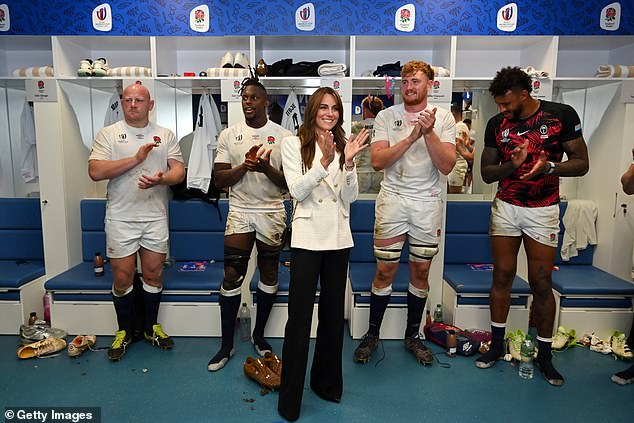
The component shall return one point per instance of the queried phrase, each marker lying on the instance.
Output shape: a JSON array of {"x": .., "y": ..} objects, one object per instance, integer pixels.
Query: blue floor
[{"x": 177, "y": 387}]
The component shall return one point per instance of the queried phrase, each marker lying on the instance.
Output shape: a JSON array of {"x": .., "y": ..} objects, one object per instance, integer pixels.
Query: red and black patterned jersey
[{"x": 547, "y": 129}]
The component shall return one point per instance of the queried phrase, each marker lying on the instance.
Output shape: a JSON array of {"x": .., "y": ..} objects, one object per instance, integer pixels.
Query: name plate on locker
[
  {"x": 41, "y": 90},
  {"x": 542, "y": 89},
  {"x": 230, "y": 90},
  {"x": 627, "y": 92},
  {"x": 440, "y": 91},
  {"x": 342, "y": 85}
]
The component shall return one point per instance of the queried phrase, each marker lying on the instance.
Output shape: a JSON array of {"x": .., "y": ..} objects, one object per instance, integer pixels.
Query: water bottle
[
  {"x": 32, "y": 318},
  {"x": 244, "y": 316},
  {"x": 47, "y": 299},
  {"x": 98, "y": 263},
  {"x": 452, "y": 343},
  {"x": 438, "y": 314},
  {"x": 526, "y": 363},
  {"x": 427, "y": 318}
]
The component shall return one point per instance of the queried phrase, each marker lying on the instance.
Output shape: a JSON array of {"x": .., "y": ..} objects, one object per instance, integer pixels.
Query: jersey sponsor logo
[
  {"x": 140, "y": 136},
  {"x": 578, "y": 127},
  {"x": 505, "y": 136},
  {"x": 239, "y": 139},
  {"x": 157, "y": 140},
  {"x": 122, "y": 138},
  {"x": 543, "y": 130},
  {"x": 270, "y": 139},
  {"x": 523, "y": 132}
]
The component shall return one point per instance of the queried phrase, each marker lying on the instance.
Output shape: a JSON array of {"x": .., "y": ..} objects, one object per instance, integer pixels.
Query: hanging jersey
[
  {"x": 114, "y": 113},
  {"x": 126, "y": 201},
  {"x": 254, "y": 192},
  {"x": 292, "y": 118},
  {"x": 27, "y": 144},
  {"x": 203, "y": 145},
  {"x": 414, "y": 174},
  {"x": 547, "y": 129}
]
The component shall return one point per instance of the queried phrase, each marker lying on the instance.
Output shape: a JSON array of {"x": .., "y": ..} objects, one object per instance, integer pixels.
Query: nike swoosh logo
[{"x": 522, "y": 133}]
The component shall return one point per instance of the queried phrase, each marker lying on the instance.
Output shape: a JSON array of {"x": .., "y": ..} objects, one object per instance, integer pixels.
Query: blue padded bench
[
  {"x": 82, "y": 302},
  {"x": 466, "y": 291},
  {"x": 21, "y": 261},
  {"x": 362, "y": 269},
  {"x": 279, "y": 314},
  {"x": 588, "y": 298}
]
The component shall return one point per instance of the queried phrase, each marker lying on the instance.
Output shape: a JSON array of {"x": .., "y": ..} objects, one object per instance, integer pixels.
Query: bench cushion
[
  {"x": 15, "y": 273},
  {"x": 589, "y": 280},
  {"x": 81, "y": 279},
  {"x": 362, "y": 275},
  {"x": 466, "y": 281}
]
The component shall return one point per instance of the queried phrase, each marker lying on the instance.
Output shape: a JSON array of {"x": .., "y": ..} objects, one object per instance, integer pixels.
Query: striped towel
[
  {"x": 34, "y": 71},
  {"x": 440, "y": 71},
  {"x": 227, "y": 72},
  {"x": 332, "y": 69},
  {"x": 130, "y": 71},
  {"x": 615, "y": 71}
]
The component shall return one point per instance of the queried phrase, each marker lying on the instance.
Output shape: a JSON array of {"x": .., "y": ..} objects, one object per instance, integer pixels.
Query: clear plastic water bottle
[
  {"x": 438, "y": 313},
  {"x": 526, "y": 363},
  {"x": 244, "y": 316}
]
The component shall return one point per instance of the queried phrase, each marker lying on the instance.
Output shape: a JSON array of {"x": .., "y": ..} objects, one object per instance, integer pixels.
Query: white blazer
[{"x": 322, "y": 200}]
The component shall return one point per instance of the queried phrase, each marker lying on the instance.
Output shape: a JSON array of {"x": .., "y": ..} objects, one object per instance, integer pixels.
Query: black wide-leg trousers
[{"x": 330, "y": 268}]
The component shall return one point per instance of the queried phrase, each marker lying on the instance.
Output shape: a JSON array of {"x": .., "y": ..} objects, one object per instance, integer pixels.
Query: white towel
[
  {"x": 35, "y": 71},
  {"x": 129, "y": 71},
  {"x": 332, "y": 69},
  {"x": 440, "y": 71},
  {"x": 615, "y": 71},
  {"x": 227, "y": 72},
  {"x": 579, "y": 227},
  {"x": 535, "y": 73}
]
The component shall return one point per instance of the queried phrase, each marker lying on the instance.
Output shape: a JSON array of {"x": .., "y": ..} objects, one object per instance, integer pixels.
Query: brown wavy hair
[{"x": 307, "y": 134}]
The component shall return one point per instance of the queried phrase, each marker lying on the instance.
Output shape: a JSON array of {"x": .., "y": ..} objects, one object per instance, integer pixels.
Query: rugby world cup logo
[
  {"x": 304, "y": 13},
  {"x": 305, "y": 17},
  {"x": 507, "y": 13},
  {"x": 102, "y": 17},
  {"x": 102, "y": 14},
  {"x": 507, "y": 17}
]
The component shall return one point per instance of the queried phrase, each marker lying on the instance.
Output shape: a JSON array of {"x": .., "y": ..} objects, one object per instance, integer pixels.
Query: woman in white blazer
[{"x": 321, "y": 177}]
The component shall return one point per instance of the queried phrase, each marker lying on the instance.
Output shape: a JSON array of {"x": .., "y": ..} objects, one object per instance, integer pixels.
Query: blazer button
[
  {"x": 336, "y": 185},
  {"x": 334, "y": 200},
  {"x": 320, "y": 200}
]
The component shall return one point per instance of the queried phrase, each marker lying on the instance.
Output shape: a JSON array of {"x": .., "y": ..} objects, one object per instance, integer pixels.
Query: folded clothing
[
  {"x": 130, "y": 71},
  {"x": 535, "y": 73},
  {"x": 615, "y": 71},
  {"x": 227, "y": 72},
  {"x": 35, "y": 71},
  {"x": 286, "y": 67},
  {"x": 332, "y": 69},
  {"x": 440, "y": 71}
]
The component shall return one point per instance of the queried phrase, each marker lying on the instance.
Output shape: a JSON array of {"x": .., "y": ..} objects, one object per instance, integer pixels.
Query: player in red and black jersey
[{"x": 524, "y": 145}]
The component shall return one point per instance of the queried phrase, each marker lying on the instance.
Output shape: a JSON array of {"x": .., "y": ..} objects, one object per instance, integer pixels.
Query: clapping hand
[
  {"x": 326, "y": 144},
  {"x": 356, "y": 144},
  {"x": 538, "y": 168}
]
